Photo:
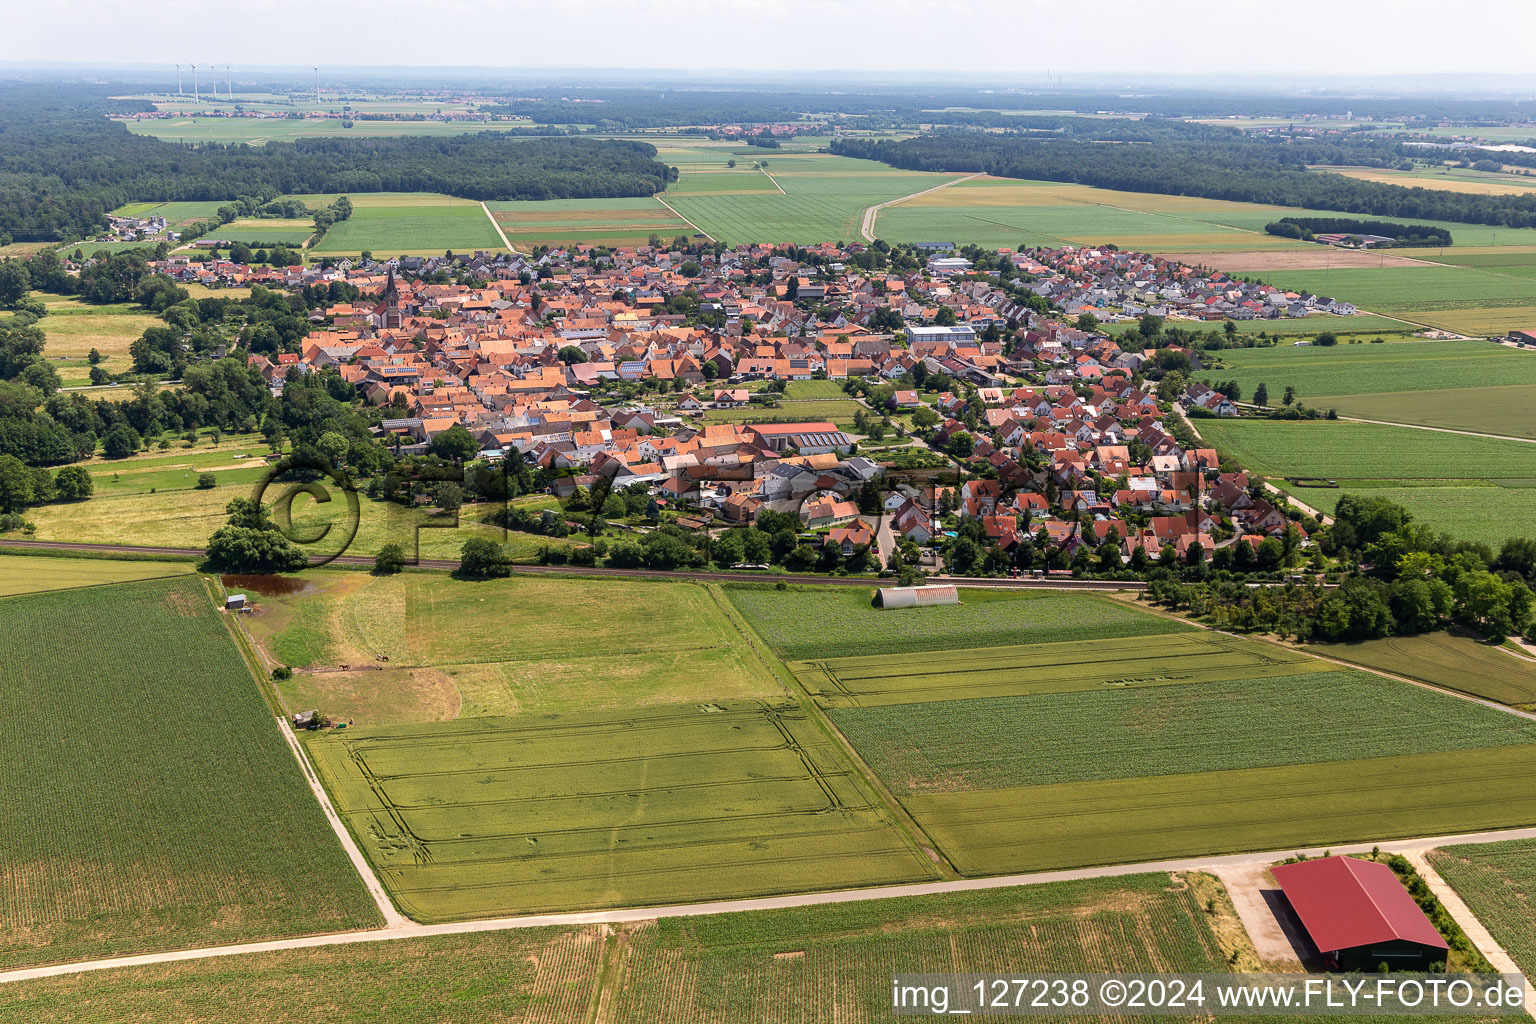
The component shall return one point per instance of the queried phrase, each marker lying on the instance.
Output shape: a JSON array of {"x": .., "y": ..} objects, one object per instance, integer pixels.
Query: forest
[
  {"x": 1178, "y": 158},
  {"x": 64, "y": 164},
  {"x": 1305, "y": 228}
]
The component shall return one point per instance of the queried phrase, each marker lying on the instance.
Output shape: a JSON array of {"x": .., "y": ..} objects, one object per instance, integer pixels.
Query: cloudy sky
[{"x": 1020, "y": 38}]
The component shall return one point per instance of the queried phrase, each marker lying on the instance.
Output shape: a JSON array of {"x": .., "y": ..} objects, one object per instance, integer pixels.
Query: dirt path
[
  {"x": 690, "y": 223},
  {"x": 392, "y": 917},
  {"x": 1246, "y": 885},
  {"x": 1441, "y": 430},
  {"x": 1476, "y": 932},
  {"x": 774, "y": 180},
  {"x": 867, "y": 228},
  {"x": 497, "y": 226},
  {"x": 1213, "y": 864}
]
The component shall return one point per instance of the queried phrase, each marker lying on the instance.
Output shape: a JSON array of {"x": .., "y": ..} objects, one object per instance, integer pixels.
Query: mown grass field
[
  {"x": 33, "y": 574},
  {"x": 1508, "y": 409},
  {"x": 1090, "y": 665},
  {"x": 1323, "y": 375},
  {"x": 396, "y": 224},
  {"x": 1216, "y": 726},
  {"x": 1448, "y": 660},
  {"x": 609, "y": 222},
  {"x": 150, "y": 800},
  {"x": 73, "y": 328},
  {"x": 1125, "y": 820},
  {"x": 1417, "y": 290},
  {"x": 791, "y": 966},
  {"x": 265, "y": 231},
  {"x": 1498, "y": 883},
  {"x": 836, "y": 410},
  {"x": 837, "y": 622},
  {"x": 498, "y": 816},
  {"x": 501, "y": 647}
]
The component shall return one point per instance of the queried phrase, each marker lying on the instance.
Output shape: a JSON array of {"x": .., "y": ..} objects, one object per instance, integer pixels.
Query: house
[
  {"x": 847, "y": 538},
  {"x": 732, "y": 398},
  {"x": 807, "y": 438},
  {"x": 1359, "y": 915},
  {"x": 827, "y": 511}
]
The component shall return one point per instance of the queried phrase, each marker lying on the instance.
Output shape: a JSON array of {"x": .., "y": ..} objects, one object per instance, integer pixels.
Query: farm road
[
  {"x": 1440, "y": 430},
  {"x": 497, "y": 226},
  {"x": 1212, "y": 864},
  {"x": 867, "y": 228}
]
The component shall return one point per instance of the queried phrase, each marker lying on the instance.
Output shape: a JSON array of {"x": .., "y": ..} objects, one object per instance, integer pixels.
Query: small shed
[
  {"x": 916, "y": 597},
  {"x": 234, "y": 603},
  {"x": 1359, "y": 915},
  {"x": 306, "y": 720}
]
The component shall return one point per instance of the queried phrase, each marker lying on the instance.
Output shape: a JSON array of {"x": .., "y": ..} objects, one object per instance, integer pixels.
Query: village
[{"x": 970, "y": 405}]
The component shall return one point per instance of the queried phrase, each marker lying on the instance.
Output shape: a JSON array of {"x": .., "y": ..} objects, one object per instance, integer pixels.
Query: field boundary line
[
  {"x": 393, "y": 919},
  {"x": 504, "y": 240},
  {"x": 867, "y": 226},
  {"x": 685, "y": 220},
  {"x": 412, "y": 929},
  {"x": 1440, "y": 430},
  {"x": 774, "y": 180}
]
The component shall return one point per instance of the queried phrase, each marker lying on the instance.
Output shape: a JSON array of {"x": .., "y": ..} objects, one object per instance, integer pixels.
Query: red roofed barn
[{"x": 1359, "y": 914}]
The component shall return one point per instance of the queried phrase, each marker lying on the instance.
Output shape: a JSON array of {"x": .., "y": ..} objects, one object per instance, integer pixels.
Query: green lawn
[
  {"x": 832, "y": 622},
  {"x": 151, "y": 802},
  {"x": 838, "y": 411}
]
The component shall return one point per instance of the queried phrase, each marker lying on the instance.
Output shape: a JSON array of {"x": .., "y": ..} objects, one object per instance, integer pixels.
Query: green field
[
  {"x": 1402, "y": 289},
  {"x": 798, "y": 390},
  {"x": 412, "y": 224},
  {"x": 1474, "y": 488},
  {"x": 836, "y": 622},
  {"x": 1217, "y": 726},
  {"x": 775, "y": 967},
  {"x": 150, "y": 800},
  {"x": 1091, "y": 665},
  {"x": 610, "y": 222},
  {"x": 33, "y": 574},
  {"x": 1365, "y": 369},
  {"x": 1497, "y": 881},
  {"x": 265, "y": 232},
  {"x": 73, "y": 328},
  {"x": 501, "y": 647},
  {"x": 1036, "y": 828},
  {"x": 1454, "y": 662},
  {"x": 687, "y": 802},
  {"x": 1509, "y": 409},
  {"x": 838, "y": 411}
]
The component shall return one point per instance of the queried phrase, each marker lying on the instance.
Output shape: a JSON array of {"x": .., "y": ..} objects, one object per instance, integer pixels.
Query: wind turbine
[
  {"x": 317, "y": 86},
  {"x": 229, "y": 84},
  {"x": 194, "y": 83},
  {"x": 178, "y": 81}
]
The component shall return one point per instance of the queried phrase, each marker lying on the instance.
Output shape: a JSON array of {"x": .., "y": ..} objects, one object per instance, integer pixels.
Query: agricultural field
[
  {"x": 1419, "y": 293},
  {"x": 265, "y": 231},
  {"x": 158, "y": 824},
  {"x": 1136, "y": 733},
  {"x": 838, "y": 411},
  {"x": 683, "y": 802},
  {"x": 1126, "y": 820},
  {"x": 838, "y": 622},
  {"x": 176, "y": 214},
  {"x": 1361, "y": 323},
  {"x": 608, "y": 222},
  {"x": 1474, "y": 488},
  {"x": 411, "y": 224},
  {"x": 1445, "y": 179},
  {"x": 1507, "y": 409},
  {"x": 1497, "y": 881},
  {"x": 454, "y": 649},
  {"x": 73, "y": 328},
  {"x": 1452, "y": 661},
  {"x": 1322, "y": 375},
  {"x": 1091, "y": 665},
  {"x": 33, "y": 574},
  {"x": 776, "y": 966}
]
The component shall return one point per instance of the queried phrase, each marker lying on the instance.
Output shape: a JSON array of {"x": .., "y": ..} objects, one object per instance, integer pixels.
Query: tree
[
  {"x": 962, "y": 445},
  {"x": 1327, "y": 339},
  {"x": 16, "y": 485},
  {"x": 121, "y": 441},
  {"x": 206, "y": 481},
  {"x": 1087, "y": 322},
  {"x": 1290, "y": 395},
  {"x": 14, "y": 282},
  {"x": 569, "y": 354},
  {"x": 1261, "y": 395},
  {"x": 389, "y": 560},
  {"x": 252, "y": 543},
  {"x": 333, "y": 446},
  {"x": 456, "y": 444},
  {"x": 946, "y": 317},
  {"x": 74, "y": 483},
  {"x": 481, "y": 559}
]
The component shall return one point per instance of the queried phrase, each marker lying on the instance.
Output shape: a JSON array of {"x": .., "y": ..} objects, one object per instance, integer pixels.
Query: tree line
[{"x": 1306, "y": 229}]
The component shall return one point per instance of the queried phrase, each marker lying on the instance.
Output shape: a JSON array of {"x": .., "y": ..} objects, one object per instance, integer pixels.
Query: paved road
[
  {"x": 867, "y": 227},
  {"x": 413, "y": 930},
  {"x": 449, "y": 565}
]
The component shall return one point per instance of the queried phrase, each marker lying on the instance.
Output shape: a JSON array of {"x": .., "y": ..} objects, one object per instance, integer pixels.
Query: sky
[{"x": 1012, "y": 38}]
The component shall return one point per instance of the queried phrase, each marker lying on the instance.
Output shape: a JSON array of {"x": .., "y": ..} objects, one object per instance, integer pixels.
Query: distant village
[{"x": 577, "y": 361}]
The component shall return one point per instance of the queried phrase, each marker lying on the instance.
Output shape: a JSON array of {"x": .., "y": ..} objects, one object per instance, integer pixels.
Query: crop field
[
  {"x": 1421, "y": 290},
  {"x": 176, "y": 214},
  {"x": 609, "y": 222},
  {"x": 495, "y": 816},
  {"x": 1093, "y": 665},
  {"x": 1034, "y": 828},
  {"x": 777, "y": 967},
  {"x": 150, "y": 800},
  {"x": 32, "y": 574},
  {"x": 500, "y": 647},
  {"x": 73, "y": 328},
  {"x": 1489, "y": 323},
  {"x": 1498, "y": 883},
  {"x": 1508, "y": 409},
  {"x": 838, "y": 411},
  {"x": 1221, "y": 725},
  {"x": 1484, "y": 183},
  {"x": 1360, "y": 451},
  {"x": 1322, "y": 375},
  {"x": 1444, "y": 659},
  {"x": 1478, "y": 510},
  {"x": 412, "y": 224},
  {"x": 266, "y": 231},
  {"x": 838, "y": 622}
]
